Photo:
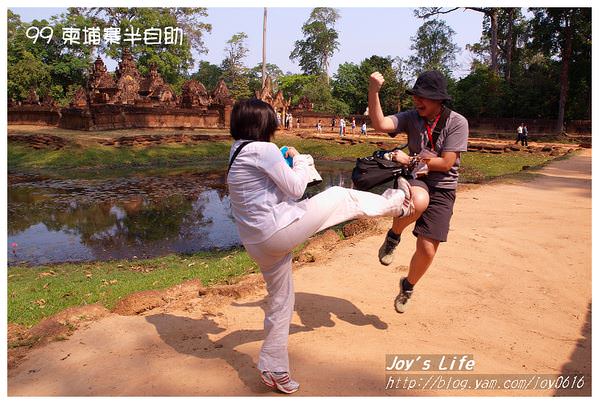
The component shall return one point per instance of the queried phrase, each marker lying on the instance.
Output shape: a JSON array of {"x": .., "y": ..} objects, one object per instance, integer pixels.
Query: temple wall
[
  {"x": 107, "y": 117},
  {"x": 78, "y": 119},
  {"x": 117, "y": 117},
  {"x": 33, "y": 115}
]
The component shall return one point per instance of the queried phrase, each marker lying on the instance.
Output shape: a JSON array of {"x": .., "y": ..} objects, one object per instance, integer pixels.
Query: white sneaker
[{"x": 281, "y": 380}]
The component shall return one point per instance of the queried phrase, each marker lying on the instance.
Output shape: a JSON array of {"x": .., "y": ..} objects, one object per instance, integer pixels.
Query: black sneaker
[
  {"x": 386, "y": 250},
  {"x": 402, "y": 299}
]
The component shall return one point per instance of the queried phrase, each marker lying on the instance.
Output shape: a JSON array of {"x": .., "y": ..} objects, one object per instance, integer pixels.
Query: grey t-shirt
[{"x": 453, "y": 137}]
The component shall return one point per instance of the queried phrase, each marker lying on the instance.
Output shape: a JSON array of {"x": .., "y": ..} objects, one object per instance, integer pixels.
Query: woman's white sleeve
[{"x": 292, "y": 182}]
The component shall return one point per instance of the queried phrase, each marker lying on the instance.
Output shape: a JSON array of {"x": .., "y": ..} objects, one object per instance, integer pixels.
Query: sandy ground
[{"x": 511, "y": 287}]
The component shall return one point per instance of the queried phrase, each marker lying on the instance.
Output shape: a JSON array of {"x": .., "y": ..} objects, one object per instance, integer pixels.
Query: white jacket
[{"x": 264, "y": 190}]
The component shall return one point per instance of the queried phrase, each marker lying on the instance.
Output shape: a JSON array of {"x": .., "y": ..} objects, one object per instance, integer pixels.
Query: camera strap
[
  {"x": 239, "y": 148},
  {"x": 438, "y": 126}
]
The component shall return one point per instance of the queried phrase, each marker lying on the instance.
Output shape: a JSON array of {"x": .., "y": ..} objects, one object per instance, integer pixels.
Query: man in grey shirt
[{"x": 434, "y": 193}]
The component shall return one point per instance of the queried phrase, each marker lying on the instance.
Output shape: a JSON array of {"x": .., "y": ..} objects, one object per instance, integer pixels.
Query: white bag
[{"x": 315, "y": 177}]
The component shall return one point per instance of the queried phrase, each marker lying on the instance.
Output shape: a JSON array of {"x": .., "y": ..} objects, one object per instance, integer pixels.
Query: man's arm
[
  {"x": 455, "y": 142},
  {"x": 443, "y": 163},
  {"x": 379, "y": 121}
]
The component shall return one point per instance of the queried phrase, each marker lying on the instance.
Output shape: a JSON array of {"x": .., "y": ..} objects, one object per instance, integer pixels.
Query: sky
[{"x": 363, "y": 32}]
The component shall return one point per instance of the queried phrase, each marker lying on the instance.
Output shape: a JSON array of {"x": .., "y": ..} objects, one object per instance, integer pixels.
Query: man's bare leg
[
  {"x": 421, "y": 199},
  {"x": 426, "y": 248}
]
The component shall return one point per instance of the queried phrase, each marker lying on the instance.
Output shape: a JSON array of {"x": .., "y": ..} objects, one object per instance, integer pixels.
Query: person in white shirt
[
  {"x": 519, "y": 133},
  {"x": 341, "y": 127},
  {"x": 265, "y": 195}
]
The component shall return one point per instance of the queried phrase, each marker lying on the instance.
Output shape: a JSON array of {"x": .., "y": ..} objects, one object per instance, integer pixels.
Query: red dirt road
[{"x": 512, "y": 287}]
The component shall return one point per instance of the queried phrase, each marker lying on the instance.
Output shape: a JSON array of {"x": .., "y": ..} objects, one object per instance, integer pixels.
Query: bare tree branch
[
  {"x": 479, "y": 9},
  {"x": 427, "y": 12}
]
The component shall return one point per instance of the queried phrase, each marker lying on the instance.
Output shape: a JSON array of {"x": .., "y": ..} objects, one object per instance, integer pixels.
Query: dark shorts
[{"x": 434, "y": 222}]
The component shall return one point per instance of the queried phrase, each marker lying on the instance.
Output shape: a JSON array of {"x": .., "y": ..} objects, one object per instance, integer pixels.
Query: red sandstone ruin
[{"x": 125, "y": 99}]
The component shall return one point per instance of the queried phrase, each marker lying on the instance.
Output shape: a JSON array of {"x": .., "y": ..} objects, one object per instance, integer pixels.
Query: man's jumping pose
[{"x": 433, "y": 194}]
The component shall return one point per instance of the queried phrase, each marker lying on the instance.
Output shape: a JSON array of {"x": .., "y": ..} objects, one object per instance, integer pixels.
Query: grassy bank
[
  {"x": 480, "y": 167},
  {"x": 41, "y": 291},
  {"x": 22, "y": 158}
]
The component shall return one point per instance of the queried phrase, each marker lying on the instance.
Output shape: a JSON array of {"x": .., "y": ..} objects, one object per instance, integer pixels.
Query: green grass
[
  {"x": 41, "y": 291},
  {"x": 25, "y": 159},
  {"x": 22, "y": 158},
  {"x": 331, "y": 150},
  {"x": 480, "y": 167},
  {"x": 476, "y": 167}
]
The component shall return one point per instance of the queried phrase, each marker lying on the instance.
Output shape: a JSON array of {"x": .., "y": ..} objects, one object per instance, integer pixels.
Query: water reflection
[{"x": 144, "y": 215}]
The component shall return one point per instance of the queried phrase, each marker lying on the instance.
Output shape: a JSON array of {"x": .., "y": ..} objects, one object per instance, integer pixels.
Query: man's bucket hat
[{"x": 431, "y": 85}]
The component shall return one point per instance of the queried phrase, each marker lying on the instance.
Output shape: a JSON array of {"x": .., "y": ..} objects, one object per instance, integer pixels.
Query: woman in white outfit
[{"x": 265, "y": 201}]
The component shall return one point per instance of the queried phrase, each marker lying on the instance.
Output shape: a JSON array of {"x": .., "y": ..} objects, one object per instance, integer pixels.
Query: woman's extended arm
[{"x": 292, "y": 182}]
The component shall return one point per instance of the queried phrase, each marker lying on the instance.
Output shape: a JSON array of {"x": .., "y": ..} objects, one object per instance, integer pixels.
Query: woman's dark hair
[{"x": 253, "y": 120}]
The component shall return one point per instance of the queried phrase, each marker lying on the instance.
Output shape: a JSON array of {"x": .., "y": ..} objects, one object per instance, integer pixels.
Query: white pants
[{"x": 333, "y": 206}]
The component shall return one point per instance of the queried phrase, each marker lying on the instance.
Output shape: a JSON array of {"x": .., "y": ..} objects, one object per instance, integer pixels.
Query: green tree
[
  {"x": 315, "y": 88},
  {"x": 512, "y": 35},
  {"x": 25, "y": 73},
  {"x": 490, "y": 13},
  {"x": 172, "y": 60},
  {"x": 255, "y": 76},
  {"x": 320, "y": 42},
  {"x": 49, "y": 66},
  {"x": 434, "y": 48},
  {"x": 394, "y": 88},
  {"x": 565, "y": 33},
  {"x": 234, "y": 71},
  {"x": 318, "y": 91},
  {"x": 208, "y": 74},
  {"x": 292, "y": 85},
  {"x": 534, "y": 89},
  {"x": 350, "y": 84},
  {"x": 480, "y": 94}
]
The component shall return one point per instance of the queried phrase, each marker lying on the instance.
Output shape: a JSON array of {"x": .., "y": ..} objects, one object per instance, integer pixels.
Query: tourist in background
[
  {"x": 519, "y": 133},
  {"x": 524, "y": 135},
  {"x": 341, "y": 127}
]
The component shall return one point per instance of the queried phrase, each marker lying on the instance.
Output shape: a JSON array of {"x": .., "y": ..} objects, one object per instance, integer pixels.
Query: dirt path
[{"x": 512, "y": 287}]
